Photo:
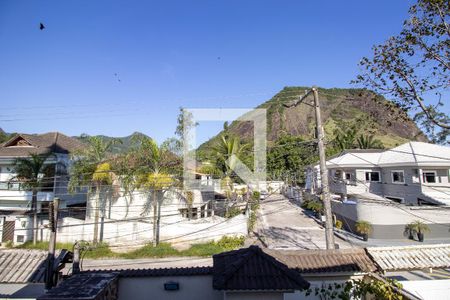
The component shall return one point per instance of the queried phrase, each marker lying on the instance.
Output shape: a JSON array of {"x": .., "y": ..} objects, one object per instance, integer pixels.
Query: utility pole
[
  {"x": 329, "y": 236},
  {"x": 76, "y": 258},
  {"x": 53, "y": 223}
]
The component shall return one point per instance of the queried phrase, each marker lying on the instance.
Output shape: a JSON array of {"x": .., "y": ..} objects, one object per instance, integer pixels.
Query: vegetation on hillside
[{"x": 412, "y": 67}]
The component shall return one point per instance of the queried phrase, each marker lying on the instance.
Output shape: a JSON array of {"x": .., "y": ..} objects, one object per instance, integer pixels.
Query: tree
[
  {"x": 34, "y": 173},
  {"x": 89, "y": 170},
  {"x": 413, "y": 67},
  {"x": 289, "y": 155},
  {"x": 368, "y": 142},
  {"x": 345, "y": 139},
  {"x": 227, "y": 151},
  {"x": 153, "y": 168}
]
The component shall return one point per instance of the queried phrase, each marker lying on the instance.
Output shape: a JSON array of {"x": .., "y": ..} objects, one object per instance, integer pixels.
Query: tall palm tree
[
  {"x": 33, "y": 173},
  {"x": 345, "y": 139},
  {"x": 368, "y": 142},
  {"x": 89, "y": 170},
  {"x": 227, "y": 152},
  {"x": 153, "y": 169}
]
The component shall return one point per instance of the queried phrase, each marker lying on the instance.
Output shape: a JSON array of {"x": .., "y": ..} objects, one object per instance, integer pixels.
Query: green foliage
[
  {"x": 412, "y": 66},
  {"x": 387, "y": 289},
  {"x": 419, "y": 227},
  {"x": 338, "y": 224},
  {"x": 44, "y": 246},
  {"x": 227, "y": 152},
  {"x": 290, "y": 154},
  {"x": 315, "y": 206},
  {"x": 363, "y": 227},
  {"x": 252, "y": 221},
  {"x": 233, "y": 211},
  {"x": 368, "y": 142},
  {"x": 345, "y": 138},
  {"x": 231, "y": 242},
  {"x": 29, "y": 171},
  {"x": 160, "y": 250},
  {"x": 256, "y": 195}
]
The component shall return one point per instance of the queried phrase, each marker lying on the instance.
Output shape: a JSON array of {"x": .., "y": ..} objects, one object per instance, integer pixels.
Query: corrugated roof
[
  {"x": 188, "y": 271},
  {"x": 252, "y": 269},
  {"x": 411, "y": 257},
  {"x": 52, "y": 142},
  {"x": 408, "y": 154},
  {"x": 83, "y": 286},
  {"x": 23, "y": 265},
  {"x": 20, "y": 265},
  {"x": 354, "y": 260}
]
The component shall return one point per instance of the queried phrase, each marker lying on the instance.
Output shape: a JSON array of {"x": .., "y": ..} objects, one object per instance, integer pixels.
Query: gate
[{"x": 8, "y": 231}]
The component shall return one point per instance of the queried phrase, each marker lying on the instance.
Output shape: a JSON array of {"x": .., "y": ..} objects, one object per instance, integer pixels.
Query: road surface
[{"x": 284, "y": 225}]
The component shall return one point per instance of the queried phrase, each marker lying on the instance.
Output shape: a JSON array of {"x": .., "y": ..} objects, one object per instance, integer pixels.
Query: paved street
[{"x": 283, "y": 225}]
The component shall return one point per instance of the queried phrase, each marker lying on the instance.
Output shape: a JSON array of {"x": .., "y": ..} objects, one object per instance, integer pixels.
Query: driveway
[{"x": 284, "y": 225}]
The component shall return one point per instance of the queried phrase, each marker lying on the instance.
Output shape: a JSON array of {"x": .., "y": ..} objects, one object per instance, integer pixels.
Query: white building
[
  {"x": 391, "y": 188},
  {"x": 15, "y": 199}
]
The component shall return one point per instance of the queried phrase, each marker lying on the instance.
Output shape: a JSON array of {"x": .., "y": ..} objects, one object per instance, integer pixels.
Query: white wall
[
  {"x": 191, "y": 288},
  {"x": 139, "y": 233}
]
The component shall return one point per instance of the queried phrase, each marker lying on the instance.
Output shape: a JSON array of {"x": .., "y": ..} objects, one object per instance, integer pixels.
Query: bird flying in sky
[{"x": 41, "y": 26}]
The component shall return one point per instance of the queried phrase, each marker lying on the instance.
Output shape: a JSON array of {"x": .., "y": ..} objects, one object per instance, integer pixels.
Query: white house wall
[{"x": 136, "y": 233}]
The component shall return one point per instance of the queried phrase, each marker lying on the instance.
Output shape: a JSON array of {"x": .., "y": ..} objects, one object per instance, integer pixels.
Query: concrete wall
[
  {"x": 117, "y": 232},
  {"x": 388, "y": 219},
  {"x": 191, "y": 288},
  {"x": 253, "y": 295}
]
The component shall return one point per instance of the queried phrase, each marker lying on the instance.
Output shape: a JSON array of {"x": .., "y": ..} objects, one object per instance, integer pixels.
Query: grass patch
[
  {"x": 148, "y": 251},
  {"x": 44, "y": 246},
  {"x": 162, "y": 250}
]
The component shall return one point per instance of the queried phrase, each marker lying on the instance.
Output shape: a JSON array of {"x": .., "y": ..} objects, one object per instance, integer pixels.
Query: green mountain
[
  {"x": 124, "y": 144},
  {"x": 364, "y": 110}
]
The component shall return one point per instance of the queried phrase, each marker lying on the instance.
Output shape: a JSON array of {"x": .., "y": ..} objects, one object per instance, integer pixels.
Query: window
[
  {"x": 395, "y": 199},
  {"x": 348, "y": 176},
  {"x": 20, "y": 238},
  {"x": 373, "y": 176},
  {"x": 429, "y": 176},
  {"x": 398, "y": 176}
]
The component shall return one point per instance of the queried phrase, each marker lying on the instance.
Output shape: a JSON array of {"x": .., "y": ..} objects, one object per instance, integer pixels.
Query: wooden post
[
  {"x": 53, "y": 222},
  {"x": 329, "y": 235},
  {"x": 76, "y": 258}
]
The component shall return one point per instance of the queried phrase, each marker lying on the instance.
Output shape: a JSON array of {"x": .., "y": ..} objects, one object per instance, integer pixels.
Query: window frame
[
  {"x": 398, "y": 171},
  {"x": 370, "y": 176},
  {"x": 431, "y": 171}
]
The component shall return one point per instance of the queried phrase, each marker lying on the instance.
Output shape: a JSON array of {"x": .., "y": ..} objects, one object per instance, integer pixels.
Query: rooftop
[
  {"x": 411, "y": 257},
  {"x": 253, "y": 269},
  {"x": 411, "y": 154},
  {"x": 353, "y": 260},
  {"x": 53, "y": 142}
]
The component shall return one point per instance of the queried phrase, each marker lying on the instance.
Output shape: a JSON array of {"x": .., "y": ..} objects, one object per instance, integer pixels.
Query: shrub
[
  {"x": 338, "y": 224},
  {"x": 363, "y": 227},
  {"x": 251, "y": 221},
  {"x": 161, "y": 250},
  {"x": 315, "y": 206},
  {"x": 256, "y": 195},
  {"x": 233, "y": 211},
  {"x": 231, "y": 242}
]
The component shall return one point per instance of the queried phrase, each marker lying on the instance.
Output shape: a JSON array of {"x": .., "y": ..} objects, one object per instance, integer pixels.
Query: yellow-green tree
[{"x": 158, "y": 183}]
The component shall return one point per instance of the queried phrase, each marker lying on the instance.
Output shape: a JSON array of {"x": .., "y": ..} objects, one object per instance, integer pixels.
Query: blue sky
[{"x": 167, "y": 54}]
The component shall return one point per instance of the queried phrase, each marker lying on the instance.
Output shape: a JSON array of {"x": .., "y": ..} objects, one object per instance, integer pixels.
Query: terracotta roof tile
[
  {"x": 253, "y": 269},
  {"x": 325, "y": 261},
  {"x": 52, "y": 142}
]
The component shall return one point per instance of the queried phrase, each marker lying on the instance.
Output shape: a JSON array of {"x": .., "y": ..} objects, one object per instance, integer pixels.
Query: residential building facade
[
  {"x": 390, "y": 188},
  {"x": 15, "y": 198}
]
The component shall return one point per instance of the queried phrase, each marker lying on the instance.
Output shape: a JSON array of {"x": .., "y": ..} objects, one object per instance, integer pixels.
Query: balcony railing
[{"x": 19, "y": 186}]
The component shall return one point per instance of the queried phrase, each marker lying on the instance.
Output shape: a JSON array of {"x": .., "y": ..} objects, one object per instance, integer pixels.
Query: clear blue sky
[{"x": 196, "y": 54}]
